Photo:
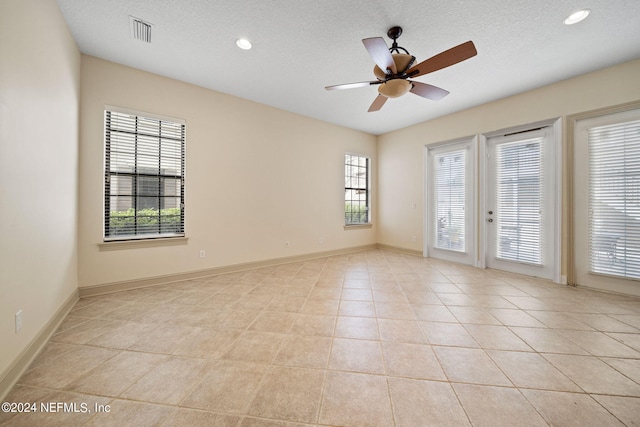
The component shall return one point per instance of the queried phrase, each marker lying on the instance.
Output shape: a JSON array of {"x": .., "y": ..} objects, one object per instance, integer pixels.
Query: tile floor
[{"x": 368, "y": 339}]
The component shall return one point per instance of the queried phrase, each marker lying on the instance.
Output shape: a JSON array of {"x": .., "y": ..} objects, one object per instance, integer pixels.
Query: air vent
[{"x": 140, "y": 30}]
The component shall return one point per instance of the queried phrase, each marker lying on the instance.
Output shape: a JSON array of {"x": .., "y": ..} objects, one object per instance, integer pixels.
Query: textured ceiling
[{"x": 301, "y": 46}]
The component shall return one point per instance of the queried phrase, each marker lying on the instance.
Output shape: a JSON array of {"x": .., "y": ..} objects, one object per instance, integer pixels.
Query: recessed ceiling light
[
  {"x": 243, "y": 44},
  {"x": 578, "y": 16}
]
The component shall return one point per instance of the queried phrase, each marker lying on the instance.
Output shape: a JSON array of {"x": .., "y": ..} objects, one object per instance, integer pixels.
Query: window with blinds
[
  {"x": 144, "y": 176},
  {"x": 449, "y": 199},
  {"x": 356, "y": 189},
  {"x": 519, "y": 201},
  {"x": 614, "y": 199}
]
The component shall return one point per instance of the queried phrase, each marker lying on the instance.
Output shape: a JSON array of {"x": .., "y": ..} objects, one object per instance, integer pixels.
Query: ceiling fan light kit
[
  {"x": 394, "y": 67},
  {"x": 394, "y": 88}
]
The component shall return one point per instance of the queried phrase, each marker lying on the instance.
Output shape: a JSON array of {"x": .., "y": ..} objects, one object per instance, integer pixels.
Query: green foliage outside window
[
  {"x": 355, "y": 213},
  {"x": 144, "y": 221}
]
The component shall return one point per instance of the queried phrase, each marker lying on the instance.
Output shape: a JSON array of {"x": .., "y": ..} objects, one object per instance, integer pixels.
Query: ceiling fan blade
[
  {"x": 380, "y": 54},
  {"x": 377, "y": 103},
  {"x": 444, "y": 59},
  {"x": 424, "y": 90},
  {"x": 352, "y": 85}
]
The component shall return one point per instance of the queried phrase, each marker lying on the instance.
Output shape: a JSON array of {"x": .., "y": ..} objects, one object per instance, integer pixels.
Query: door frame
[
  {"x": 469, "y": 258},
  {"x": 556, "y": 144},
  {"x": 615, "y": 284}
]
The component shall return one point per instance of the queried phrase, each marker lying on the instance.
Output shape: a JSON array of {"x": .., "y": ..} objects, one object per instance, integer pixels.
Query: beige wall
[
  {"x": 255, "y": 177},
  {"x": 39, "y": 95},
  {"x": 400, "y": 153}
]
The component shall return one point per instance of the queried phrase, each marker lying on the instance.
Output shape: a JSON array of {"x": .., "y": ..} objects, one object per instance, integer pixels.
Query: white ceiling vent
[{"x": 140, "y": 30}]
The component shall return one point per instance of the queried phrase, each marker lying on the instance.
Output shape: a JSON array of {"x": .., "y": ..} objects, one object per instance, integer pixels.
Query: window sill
[
  {"x": 357, "y": 226},
  {"x": 115, "y": 245}
]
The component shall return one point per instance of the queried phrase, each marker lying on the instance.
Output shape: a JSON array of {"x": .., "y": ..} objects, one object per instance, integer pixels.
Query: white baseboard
[
  {"x": 108, "y": 288},
  {"x": 405, "y": 251},
  {"x": 12, "y": 374}
]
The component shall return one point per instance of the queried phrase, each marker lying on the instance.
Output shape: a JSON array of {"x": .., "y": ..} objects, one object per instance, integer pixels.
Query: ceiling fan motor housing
[{"x": 394, "y": 87}]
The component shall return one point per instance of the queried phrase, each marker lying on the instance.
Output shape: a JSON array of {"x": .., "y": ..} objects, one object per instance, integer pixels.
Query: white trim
[
  {"x": 557, "y": 226},
  {"x": 356, "y": 226},
  {"x": 144, "y": 114},
  {"x": 481, "y": 261},
  {"x": 476, "y": 212},
  {"x": 425, "y": 202},
  {"x": 113, "y": 245},
  {"x": 523, "y": 128}
]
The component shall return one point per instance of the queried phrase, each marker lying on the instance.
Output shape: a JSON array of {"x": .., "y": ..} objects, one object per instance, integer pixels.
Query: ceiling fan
[{"x": 394, "y": 67}]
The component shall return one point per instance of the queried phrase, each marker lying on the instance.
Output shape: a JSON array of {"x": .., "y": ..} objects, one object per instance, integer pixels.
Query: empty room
[{"x": 319, "y": 213}]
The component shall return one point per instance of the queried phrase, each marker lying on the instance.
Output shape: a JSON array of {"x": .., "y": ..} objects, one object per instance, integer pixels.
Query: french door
[
  {"x": 519, "y": 209},
  {"x": 451, "y": 217},
  {"x": 607, "y": 202}
]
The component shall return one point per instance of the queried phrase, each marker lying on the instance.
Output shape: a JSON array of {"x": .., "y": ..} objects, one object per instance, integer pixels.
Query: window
[
  {"x": 356, "y": 189},
  {"x": 519, "y": 200},
  {"x": 144, "y": 176},
  {"x": 450, "y": 197},
  {"x": 614, "y": 199},
  {"x": 606, "y": 199}
]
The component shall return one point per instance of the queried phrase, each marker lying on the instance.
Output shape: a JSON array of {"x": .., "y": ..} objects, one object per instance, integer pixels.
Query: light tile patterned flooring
[{"x": 368, "y": 339}]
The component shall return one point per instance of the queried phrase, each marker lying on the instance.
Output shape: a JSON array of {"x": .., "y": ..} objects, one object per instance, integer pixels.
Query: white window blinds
[
  {"x": 450, "y": 224},
  {"x": 614, "y": 199},
  {"x": 144, "y": 176},
  {"x": 519, "y": 201}
]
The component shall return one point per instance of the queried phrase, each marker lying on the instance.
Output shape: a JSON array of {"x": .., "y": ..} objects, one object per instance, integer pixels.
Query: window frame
[
  {"x": 367, "y": 190},
  {"x": 108, "y": 174}
]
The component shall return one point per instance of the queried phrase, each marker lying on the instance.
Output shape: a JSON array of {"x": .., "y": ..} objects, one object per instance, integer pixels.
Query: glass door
[
  {"x": 520, "y": 204},
  {"x": 450, "y": 201},
  {"x": 607, "y": 202}
]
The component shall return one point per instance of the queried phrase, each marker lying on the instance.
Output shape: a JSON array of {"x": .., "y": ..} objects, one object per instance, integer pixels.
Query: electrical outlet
[
  {"x": 321, "y": 241},
  {"x": 18, "y": 321},
  {"x": 414, "y": 238},
  {"x": 203, "y": 254},
  {"x": 286, "y": 243}
]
